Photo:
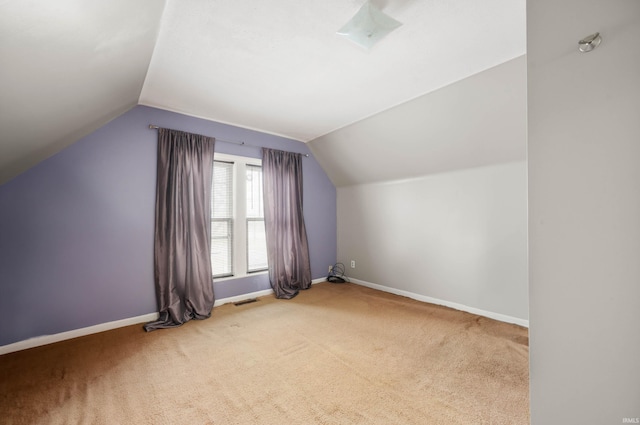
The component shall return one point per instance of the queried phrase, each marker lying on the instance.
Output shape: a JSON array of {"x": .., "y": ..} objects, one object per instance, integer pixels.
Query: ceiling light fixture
[{"x": 368, "y": 26}]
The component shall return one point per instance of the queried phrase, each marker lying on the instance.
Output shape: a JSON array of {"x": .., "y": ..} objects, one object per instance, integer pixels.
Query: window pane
[
  {"x": 256, "y": 240},
  {"x": 256, "y": 245},
  {"x": 221, "y": 247},
  {"x": 222, "y": 199},
  {"x": 255, "y": 208},
  {"x": 222, "y": 219}
]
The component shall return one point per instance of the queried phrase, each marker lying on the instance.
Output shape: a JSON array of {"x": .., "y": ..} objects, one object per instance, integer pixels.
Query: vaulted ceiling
[{"x": 69, "y": 66}]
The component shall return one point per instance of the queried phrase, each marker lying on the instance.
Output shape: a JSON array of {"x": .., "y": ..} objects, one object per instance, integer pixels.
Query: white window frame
[{"x": 239, "y": 245}]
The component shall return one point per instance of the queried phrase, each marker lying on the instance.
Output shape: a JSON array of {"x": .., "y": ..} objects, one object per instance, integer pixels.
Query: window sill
[{"x": 228, "y": 278}]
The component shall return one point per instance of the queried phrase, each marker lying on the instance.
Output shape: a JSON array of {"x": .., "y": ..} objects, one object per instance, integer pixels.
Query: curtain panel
[
  {"x": 287, "y": 246},
  {"x": 182, "y": 259}
]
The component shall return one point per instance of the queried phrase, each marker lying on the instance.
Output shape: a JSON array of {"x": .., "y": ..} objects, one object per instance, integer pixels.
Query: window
[
  {"x": 256, "y": 238},
  {"x": 222, "y": 219},
  {"x": 238, "y": 243}
]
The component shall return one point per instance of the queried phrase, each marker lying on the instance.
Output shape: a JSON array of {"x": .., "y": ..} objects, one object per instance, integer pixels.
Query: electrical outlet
[
  {"x": 353, "y": 264},
  {"x": 330, "y": 269}
]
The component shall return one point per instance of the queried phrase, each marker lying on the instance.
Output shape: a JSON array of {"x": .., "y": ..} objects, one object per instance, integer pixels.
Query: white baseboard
[
  {"x": 242, "y": 297},
  {"x": 456, "y": 306},
  {"x": 256, "y": 294},
  {"x": 50, "y": 339}
]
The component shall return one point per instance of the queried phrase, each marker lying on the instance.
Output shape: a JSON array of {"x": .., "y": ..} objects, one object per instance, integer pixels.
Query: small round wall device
[{"x": 589, "y": 43}]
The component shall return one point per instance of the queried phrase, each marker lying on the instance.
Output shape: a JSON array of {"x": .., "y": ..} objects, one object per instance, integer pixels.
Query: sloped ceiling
[
  {"x": 475, "y": 122},
  {"x": 66, "y": 68},
  {"x": 69, "y": 66}
]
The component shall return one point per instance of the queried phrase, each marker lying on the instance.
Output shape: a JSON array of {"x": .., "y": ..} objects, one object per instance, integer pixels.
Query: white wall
[
  {"x": 432, "y": 194},
  {"x": 459, "y": 236},
  {"x": 584, "y": 193}
]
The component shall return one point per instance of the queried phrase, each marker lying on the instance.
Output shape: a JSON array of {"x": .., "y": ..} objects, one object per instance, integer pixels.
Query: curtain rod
[{"x": 155, "y": 127}]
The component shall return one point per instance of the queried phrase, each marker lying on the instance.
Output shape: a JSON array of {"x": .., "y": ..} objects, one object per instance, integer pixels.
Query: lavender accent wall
[{"x": 76, "y": 231}]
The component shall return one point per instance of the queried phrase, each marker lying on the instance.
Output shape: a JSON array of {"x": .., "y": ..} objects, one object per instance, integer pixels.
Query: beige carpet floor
[{"x": 335, "y": 354}]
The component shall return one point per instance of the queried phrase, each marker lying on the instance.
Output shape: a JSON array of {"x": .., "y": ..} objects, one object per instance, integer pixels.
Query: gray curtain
[
  {"x": 182, "y": 260},
  {"x": 287, "y": 247}
]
